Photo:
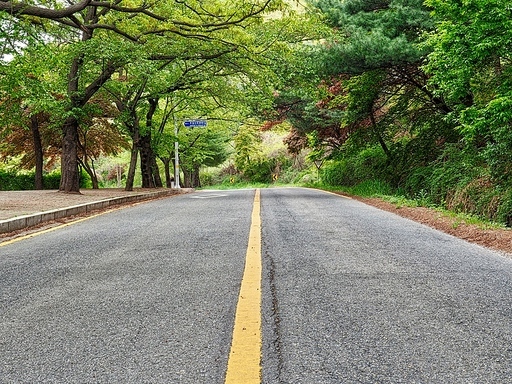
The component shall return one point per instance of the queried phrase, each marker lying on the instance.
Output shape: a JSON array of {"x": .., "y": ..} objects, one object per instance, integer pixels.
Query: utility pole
[
  {"x": 188, "y": 124},
  {"x": 176, "y": 157}
]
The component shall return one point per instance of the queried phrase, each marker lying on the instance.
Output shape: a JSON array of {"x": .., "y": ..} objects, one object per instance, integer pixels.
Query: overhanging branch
[{"x": 16, "y": 9}]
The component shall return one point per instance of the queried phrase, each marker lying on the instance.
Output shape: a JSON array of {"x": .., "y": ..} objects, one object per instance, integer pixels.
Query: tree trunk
[
  {"x": 379, "y": 137},
  {"x": 150, "y": 172},
  {"x": 146, "y": 168},
  {"x": 91, "y": 172},
  {"x": 38, "y": 151},
  {"x": 197, "y": 179},
  {"x": 133, "y": 128},
  {"x": 70, "y": 176},
  {"x": 70, "y": 179},
  {"x": 155, "y": 171},
  {"x": 167, "y": 168},
  {"x": 187, "y": 178},
  {"x": 133, "y": 166},
  {"x": 191, "y": 177}
]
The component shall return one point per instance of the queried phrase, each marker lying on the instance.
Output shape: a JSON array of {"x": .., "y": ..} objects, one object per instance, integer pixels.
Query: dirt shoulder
[{"x": 497, "y": 239}]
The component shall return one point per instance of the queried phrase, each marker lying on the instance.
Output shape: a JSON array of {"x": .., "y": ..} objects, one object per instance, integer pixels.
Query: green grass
[
  {"x": 225, "y": 186},
  {"x": 382, "y": 191},
  {"x": 458, "y": 217},
  {"x": 250, "y": 185},
  {"x": 464, "y": 218}
]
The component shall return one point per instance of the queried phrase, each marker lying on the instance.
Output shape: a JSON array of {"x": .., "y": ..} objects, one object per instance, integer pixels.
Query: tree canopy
[{"x": 139, "y": 55}]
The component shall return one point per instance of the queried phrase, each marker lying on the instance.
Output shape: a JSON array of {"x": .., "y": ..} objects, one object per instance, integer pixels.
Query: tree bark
[
  {"x": 167, "y": 169},
  {"x": 145, "y": 161},
  {"x": 133, "y": 166},
  {"x": 133, "y": 128},
  {"x": 149, "y": 168},
  {"x": 70, "y": 177},
  {"x": 22, "y": 8},
  {"x": 197, "y": 179},
  {"x": 38, "y": 151},
  {"x": 191, "y": 177},
  {"x": 155, "y": 171}
]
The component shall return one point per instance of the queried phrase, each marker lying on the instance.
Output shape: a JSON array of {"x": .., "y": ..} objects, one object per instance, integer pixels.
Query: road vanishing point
[{"x": 278, "y": 285}]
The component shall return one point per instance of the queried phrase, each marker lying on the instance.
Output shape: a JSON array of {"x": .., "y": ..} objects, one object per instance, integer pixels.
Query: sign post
[
  {"x": 198, "y": 123},
  {"x": 176, "y": 158}
]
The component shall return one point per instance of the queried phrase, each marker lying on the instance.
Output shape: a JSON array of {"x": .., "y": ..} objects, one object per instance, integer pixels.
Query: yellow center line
[{"x": 244, "y": 362}]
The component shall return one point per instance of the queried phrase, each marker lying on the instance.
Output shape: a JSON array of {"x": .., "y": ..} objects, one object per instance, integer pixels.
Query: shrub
[
  {"x": 51, "y": 180},
  {"x": 7, "y": 180},
  {"x": 504, "y": 211},
  {"x": 453, "y": 170},
  {"x": 369, "y": 164},
  {"x": 23, "y": 181},
  {"x": 477, "y": 197},
  {"x": 12, "y": 181}
]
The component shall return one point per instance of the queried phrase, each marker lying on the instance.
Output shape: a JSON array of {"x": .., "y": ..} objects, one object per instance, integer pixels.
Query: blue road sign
[{"x": 195, "y": 123}]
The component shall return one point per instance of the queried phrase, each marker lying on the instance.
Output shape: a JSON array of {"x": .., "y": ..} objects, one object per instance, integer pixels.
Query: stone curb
[{"x": 22, "y": 222}]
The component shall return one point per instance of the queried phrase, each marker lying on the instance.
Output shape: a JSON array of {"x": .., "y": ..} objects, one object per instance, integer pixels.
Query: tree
[
  {"x": 470, "y": 68},
  {"x": 133, "y": 24},
  {"x": 224, "y": 65},
  {"x": 161, "y": 90},
  {"x": 201, "y": 147},
  {"x": 140, "y": 55},
  {"x": 99, "y": 136},
  {"x": 370, "y": 86},
  {"x": 35, "y": 141},
  {"x": 28, "y": 113}
]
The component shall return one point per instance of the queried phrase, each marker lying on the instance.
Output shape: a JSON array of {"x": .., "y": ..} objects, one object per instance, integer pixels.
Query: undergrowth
[{"x": 458, "y": 181}]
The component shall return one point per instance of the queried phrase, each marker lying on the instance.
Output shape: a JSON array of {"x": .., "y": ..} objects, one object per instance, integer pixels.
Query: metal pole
[{"x": 176, "y": 158}]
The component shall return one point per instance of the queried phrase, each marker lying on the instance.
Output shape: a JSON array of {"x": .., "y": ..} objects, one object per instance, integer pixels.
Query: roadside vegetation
[{"x": 404, "y": 98}]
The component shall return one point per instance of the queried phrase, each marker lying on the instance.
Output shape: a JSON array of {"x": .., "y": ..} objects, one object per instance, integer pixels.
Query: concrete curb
[{"x": 22, "y": 222}]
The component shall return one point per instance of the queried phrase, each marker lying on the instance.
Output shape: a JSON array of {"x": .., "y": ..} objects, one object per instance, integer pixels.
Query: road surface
[{"x": 350, "y": 294}]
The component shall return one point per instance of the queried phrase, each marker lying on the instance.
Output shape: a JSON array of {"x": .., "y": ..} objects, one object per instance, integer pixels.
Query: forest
[{"x": 390, "y": 97}]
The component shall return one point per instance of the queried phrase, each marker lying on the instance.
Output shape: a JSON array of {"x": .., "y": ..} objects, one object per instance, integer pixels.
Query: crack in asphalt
[{"x": 275, "y": 323}]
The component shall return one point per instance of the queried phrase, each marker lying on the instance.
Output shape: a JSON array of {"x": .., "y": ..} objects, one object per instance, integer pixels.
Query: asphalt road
[{"x": 351, "y": 294}]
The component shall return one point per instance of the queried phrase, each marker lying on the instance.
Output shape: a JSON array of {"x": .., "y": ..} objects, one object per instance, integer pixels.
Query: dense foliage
[
  {"x": 129, "y": 70},
  {"x": 412, "y": 95}
]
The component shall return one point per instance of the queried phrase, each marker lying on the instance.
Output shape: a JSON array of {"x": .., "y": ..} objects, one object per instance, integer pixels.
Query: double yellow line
[{"x": 244, "y": 362}]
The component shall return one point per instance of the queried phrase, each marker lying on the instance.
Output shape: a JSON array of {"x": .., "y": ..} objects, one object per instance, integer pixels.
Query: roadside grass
[
  {"x": 457, "y": 218},
  {"x": 250, "y": 185},
  {"x": 225, "y": 186},
  {"x": 377, "y": 189}
]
